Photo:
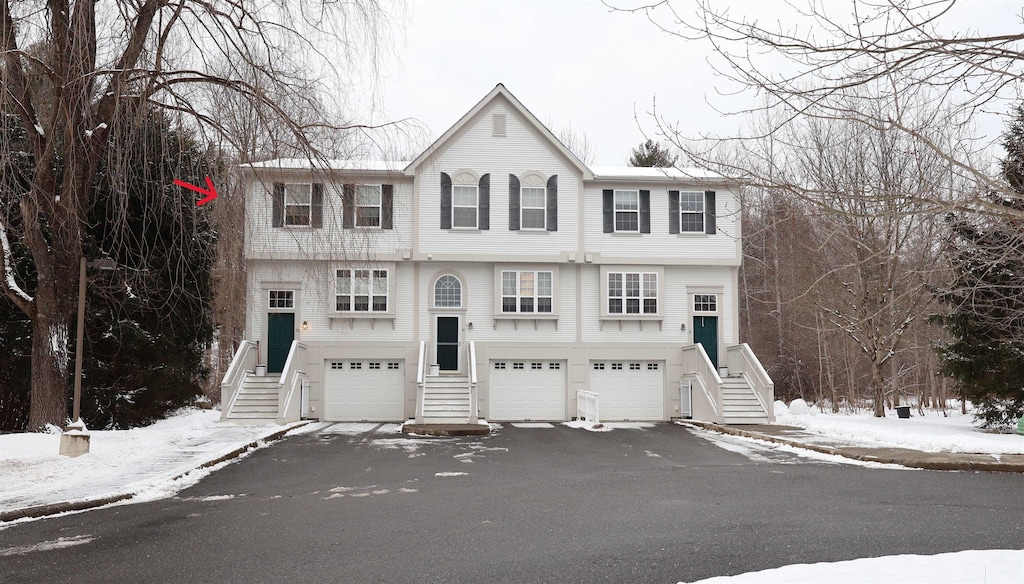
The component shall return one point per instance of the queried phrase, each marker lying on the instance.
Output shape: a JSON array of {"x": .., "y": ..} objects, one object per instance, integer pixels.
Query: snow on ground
[
  {"x": 151, "y": 462},
  {"x": 532, "y": 425},
  {"x": 357, "y": 428},
  {"x": 607, "y": 426},
  {"x": 967, "y": 567},
  {"x": 931, "y": 432}
]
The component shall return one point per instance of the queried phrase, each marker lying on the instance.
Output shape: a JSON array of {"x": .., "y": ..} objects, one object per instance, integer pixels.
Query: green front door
[
  {"x": 448, "y": 343},
  {"x": 280, "y": 334},
  {"x": 705, "y": 332}
]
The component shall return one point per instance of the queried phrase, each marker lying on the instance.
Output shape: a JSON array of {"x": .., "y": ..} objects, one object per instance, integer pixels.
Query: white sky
[{"x": 576, "y": 62}]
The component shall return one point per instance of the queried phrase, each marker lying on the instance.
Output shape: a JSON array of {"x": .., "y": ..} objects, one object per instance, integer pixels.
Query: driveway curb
[
  {"x": 952, "y": 461},
  {"x": 66, "y": 506}
]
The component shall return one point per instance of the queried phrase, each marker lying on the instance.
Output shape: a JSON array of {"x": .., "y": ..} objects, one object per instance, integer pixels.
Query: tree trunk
[
  {"x": 52, "y": 330},
  {"x": 878, "y": 388}
]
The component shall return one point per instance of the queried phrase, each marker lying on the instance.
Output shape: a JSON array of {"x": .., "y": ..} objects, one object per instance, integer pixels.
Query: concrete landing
[{"x": 446, "y": 429}]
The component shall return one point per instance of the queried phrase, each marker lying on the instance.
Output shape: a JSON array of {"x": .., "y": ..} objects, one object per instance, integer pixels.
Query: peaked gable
[{"x": 499, "y": 93}]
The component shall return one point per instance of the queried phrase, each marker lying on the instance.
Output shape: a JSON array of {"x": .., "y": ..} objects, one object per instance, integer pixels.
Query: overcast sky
[{"x": 576, "y": 62}]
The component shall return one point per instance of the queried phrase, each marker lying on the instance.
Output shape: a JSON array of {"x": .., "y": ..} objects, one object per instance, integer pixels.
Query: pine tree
[
  {"x": 652, "y": 154},
  {"x": 986, "y": 300}
]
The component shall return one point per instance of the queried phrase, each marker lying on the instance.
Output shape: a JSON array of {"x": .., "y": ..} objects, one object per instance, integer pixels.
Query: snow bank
[
  {"x": 982, "y": 566},
  {"x": 607, "y": 426},
  {"x": 930, "y": 433},
  {"x": 780, "y": 408}
]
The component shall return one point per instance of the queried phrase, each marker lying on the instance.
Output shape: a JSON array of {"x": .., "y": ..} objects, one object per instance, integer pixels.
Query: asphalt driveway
[{"x": 659, "y": 504}]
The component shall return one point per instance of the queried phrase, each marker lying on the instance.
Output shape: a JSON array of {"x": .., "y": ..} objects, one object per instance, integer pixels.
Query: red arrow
[{"x": 210, "y": 191}]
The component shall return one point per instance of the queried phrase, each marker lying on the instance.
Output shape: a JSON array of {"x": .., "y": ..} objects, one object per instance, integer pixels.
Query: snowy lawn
[
  {"x": 142, "y": 461},
  {"x": 606, "y": 426},
  {"x": 929, "y": 433},
  {"x": 981, "y": 566}
]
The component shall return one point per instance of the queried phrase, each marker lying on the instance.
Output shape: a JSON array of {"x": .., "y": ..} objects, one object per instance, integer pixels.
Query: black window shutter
[
  {"x": 387, "y": 206},
  {"x": 673, "y": 211},
  {"x": 609, "y": 210},
  {"x": 709, "y": 213},
  {"x": 645, "y": 211},
  {"x": 553, "y": 203},
  {"x": 484, "y": 203},
  {"x": 513, "y": 202},
  {"x": 316, "y": 216},
  {"x": 348, "y": 206},
  {"x": 446, "y": 201},
  {"x": 277, "y": 204}
]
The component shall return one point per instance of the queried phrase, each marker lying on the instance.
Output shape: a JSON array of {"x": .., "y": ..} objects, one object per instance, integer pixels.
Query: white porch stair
[
  {"x": 446, "y": 400},
  {"x": 740, "y": 404},
  {"x": 257, "y": 400}
]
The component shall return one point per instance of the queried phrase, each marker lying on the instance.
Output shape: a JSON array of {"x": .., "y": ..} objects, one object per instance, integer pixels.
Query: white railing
[
  {"x": 243, "y": 362},
  {"x": 743, "y": 360},
  {"x": 474, "y": 414},
  {"x": 587, "y": 406},
  {"x": 421, "y": 372},
  {"x": 289, "y": 393},
  {"x": 697, "y": 366}
]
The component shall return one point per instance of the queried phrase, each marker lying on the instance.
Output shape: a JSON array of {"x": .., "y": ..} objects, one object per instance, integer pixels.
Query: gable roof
[{"x": 498, "y": 92}]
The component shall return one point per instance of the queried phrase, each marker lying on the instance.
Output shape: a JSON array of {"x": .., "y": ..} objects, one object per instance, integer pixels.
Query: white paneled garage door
[
  {"x": 629, "y": 390},
  {"x": 364, "y": 390},
  {"x": 527, "y": 390}
]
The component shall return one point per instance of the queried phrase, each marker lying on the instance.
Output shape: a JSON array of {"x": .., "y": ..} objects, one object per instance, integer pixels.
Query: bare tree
[
  {"x": 576, "y": 141},
  {"x": 72, "y": 70}
]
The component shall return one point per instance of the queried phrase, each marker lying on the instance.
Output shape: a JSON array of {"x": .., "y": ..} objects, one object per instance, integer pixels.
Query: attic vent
[{"x": 498, "y": 125}]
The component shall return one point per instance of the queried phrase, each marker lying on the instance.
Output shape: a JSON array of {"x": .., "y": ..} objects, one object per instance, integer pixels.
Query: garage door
[
  {"x": 629, "y": 390},
  {"x": 527, "y": 390},
  {"x": 364, "y": 390}
]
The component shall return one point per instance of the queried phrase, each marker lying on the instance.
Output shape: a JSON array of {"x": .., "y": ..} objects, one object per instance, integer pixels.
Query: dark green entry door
[
  {"x": 280, "y": 334},
  {"x": 448, "y": 343},
  {"x": 705, "y": 332}
]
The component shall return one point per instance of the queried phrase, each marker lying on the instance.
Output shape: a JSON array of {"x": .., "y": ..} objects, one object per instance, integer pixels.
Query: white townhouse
[{"x": 495, "y": 276}]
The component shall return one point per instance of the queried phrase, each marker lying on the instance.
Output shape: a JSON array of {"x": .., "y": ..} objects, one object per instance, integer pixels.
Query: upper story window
[
  {"x": 362, "y": 290},
  {"x": 705, "y": 303},
  {"x": 691, "y": 212},
  {"x": 526, "y": 292},
  {"x": 627, "y": 211},
  {"x": 282, "y": 299},
  {"x": 632, "y": 293},
  {"x": 447, "y": 292},
  {"x": 368, "y": 205},
  {"x": 298, "y": 199},
  {"x": 534, "y": 207},
  {"x": 464, "y": 206}
]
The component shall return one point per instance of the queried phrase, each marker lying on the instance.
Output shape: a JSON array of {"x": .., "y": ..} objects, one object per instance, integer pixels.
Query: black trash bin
[{"x": 903, "y": 411}]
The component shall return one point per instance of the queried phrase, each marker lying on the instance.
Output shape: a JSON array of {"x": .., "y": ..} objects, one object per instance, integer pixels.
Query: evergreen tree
[
  {"x": 986, "y": 299},
  {"x": 652, "y": 154}
]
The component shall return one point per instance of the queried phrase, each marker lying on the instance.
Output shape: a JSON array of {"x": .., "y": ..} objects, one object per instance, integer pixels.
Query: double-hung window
[
  {"x": 526, "y": 292},
  {"x": 627, "y": 211},
  {"x": 691, "y": 212},
  {"x": 534, "y": 209},
  {"x": 464, "y": 206},
  {"x": 297, "y": 204},
  {"x": 362, "y": 290},
  {"x": 632, "y": 293},
  {"x": 368, "y": 205}
]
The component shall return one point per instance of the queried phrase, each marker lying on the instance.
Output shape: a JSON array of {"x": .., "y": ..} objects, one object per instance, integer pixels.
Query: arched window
[{"x": 448, "y": 292}]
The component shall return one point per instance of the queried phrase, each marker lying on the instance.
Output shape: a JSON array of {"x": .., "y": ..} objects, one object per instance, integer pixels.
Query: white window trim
[
  {"x": 625, "y": 317},
  {"x": 643, "y": 289},
  {"x": 616, "y": 211},
  {"x": 703, "y": 213},
  {"x": 536, "y": 296},
  {"x": 693, "y": 303},
  {"x": 476, "y": 207},
  {"x": 352, "y": 292},
  {"x": 309, "y": 206},
  {"x": 433, "y": 291},
  {"x": 380, "y": 207},
  {"x": 543, "y": 209}
]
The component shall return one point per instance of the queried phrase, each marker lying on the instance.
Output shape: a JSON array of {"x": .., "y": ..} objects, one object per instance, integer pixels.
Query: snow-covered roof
[
  {"x": 656, "y": 174},
  {"x": 336, "y": 164}
]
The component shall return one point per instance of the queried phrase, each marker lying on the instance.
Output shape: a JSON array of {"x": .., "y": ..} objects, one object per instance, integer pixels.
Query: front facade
[{"x": 495, "y": 276}]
